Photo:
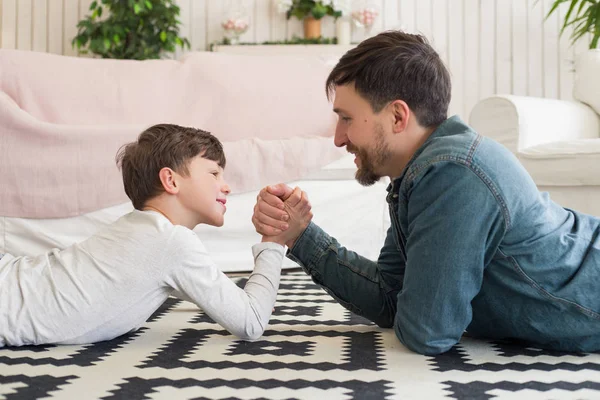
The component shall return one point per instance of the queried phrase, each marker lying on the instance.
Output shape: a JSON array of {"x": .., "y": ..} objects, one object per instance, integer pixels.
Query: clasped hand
[{"x": 281, "y": 214}]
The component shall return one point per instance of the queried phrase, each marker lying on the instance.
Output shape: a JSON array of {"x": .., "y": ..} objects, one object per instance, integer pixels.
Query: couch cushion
[
  {"x": 587, "y": 79},
  {"x": 569, "y": 163}
]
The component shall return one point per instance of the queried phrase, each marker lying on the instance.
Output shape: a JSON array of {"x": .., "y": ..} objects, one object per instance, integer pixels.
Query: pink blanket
[{"x": 62, "y": 120}]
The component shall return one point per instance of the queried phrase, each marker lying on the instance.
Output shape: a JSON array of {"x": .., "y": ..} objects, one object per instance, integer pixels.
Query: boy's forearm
[{"x": 287, "y": 238}]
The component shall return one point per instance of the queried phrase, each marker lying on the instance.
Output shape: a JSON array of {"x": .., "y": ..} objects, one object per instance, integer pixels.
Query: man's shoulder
[
  {"x": 449, "y": 149},
  {"x": 457, "y": 143}
]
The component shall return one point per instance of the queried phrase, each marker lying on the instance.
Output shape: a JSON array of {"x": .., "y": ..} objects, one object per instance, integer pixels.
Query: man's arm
[{"x": 361, "y": 285}]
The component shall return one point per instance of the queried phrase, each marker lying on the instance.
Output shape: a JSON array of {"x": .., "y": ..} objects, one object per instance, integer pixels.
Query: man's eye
[
  {"x": 215, "y": 174},
  {"x": 346, "y": 119}
]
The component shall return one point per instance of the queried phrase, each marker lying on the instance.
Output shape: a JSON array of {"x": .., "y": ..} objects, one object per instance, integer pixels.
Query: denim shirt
[{"x": 473, "y": 245}]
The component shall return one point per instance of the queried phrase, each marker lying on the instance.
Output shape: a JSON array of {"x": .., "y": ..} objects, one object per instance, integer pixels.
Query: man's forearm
[{"x": 359, "y": 284}]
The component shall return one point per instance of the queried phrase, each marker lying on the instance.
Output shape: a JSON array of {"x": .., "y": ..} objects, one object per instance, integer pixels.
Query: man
[{"x": 473, "y": 245}]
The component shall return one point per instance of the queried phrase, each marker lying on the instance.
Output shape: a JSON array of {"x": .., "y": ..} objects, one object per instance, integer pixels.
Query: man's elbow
[
  {"x": 423, "y": 341},
  {"x": 386, "y": 317},
  {"x": 385, "y": 323}
]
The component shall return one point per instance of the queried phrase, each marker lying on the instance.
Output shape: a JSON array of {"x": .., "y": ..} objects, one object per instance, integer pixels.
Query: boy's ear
[{"x": 168, "y": 178}]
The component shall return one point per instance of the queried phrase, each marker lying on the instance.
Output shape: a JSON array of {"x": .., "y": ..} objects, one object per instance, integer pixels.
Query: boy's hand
[
  {"x": 270, "y": 216},
  {"x": 297, "y": 208}
]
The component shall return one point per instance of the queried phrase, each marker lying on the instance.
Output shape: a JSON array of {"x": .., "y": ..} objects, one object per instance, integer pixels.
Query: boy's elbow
[
  {"x": 423, "y": 341},
  {"x": 251, "y": 333},
  {"x": 251, "y": 337}
]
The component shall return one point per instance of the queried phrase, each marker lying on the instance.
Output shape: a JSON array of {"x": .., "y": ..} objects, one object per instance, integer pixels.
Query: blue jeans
[{"x": 473, "y": 245}]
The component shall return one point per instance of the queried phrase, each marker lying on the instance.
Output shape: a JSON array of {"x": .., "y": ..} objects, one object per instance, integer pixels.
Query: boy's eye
[
  {"x": 346, "y": 119},
  {"x": 215, "y": 174}
]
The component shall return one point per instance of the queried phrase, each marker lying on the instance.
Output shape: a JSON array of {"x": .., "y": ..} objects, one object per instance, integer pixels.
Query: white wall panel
[{"x": 490, "y": 46}]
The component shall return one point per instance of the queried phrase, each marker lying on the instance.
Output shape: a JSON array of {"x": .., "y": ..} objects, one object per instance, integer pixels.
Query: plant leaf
[
  {"x": 130, "y": 29},
  {"x": 582, "y": 15},
  {"x": 319, "y": 11},
  {"x": 568, "y": 16},
  {"x": 556, "y": 4}
]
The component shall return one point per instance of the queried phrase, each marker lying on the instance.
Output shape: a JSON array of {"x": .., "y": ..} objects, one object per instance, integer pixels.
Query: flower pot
[{"x": 312, "y": 28}]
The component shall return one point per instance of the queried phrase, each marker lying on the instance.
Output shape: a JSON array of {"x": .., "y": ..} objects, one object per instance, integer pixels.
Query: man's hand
[
  {"x": 296, "y": 208},
  {"x": 270, "y": 216},
  {"x": 299, "y": 209}
]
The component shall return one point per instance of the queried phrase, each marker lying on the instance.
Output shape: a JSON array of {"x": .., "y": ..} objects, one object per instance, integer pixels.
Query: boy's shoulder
[
  {"x": 150, "y": 225},
  {"x": 185, "y": 240}
]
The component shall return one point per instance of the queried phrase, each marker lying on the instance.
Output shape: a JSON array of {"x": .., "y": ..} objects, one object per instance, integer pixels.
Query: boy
[{"x": 111, "y": 283}]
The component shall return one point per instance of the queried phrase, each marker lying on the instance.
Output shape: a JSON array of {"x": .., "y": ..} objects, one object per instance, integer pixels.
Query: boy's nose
[{"x": 225, "y": 189}]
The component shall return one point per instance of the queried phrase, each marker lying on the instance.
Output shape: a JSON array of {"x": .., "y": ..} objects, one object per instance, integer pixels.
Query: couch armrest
[{"x": 520, "y": 122}]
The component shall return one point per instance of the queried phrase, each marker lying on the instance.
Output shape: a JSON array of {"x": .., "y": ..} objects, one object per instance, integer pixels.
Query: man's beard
[{"x": 370, "y": 160}]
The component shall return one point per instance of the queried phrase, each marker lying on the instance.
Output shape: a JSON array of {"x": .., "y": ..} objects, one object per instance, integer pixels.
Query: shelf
[{"x": 329, "y": 53}]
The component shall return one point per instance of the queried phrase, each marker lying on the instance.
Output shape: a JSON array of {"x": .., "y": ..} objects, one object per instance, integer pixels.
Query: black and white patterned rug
[{"x": 312, "y": 349}]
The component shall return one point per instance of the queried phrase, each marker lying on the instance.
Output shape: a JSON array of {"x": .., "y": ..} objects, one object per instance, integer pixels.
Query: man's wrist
[{"x": 290, "y": 243}]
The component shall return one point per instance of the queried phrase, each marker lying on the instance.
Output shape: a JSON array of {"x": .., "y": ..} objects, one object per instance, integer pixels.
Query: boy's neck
[
  {"x": 152, "y": 208},
  {"x": 170, "y": 208}
]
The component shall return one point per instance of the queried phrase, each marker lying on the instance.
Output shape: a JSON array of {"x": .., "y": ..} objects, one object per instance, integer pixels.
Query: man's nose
[{"x": 340, "y": 138}]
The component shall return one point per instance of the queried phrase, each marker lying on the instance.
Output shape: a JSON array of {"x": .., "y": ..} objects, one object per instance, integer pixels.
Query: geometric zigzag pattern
[{"x": 312, "y": 349}]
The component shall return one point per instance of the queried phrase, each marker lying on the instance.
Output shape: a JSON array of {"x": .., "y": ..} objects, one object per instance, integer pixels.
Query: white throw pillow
[{"x": 587, "y": 79}]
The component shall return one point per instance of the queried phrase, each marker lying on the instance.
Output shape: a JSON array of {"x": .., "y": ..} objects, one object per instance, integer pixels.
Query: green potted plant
[
  {"x": 131, "y": 29},
  {"x": 583, "y": 16},
  {"x": 311, "y": 12}
]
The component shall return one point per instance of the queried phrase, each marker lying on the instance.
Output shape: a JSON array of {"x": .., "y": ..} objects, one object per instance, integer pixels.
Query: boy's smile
[{"x": 223, "y": 201}]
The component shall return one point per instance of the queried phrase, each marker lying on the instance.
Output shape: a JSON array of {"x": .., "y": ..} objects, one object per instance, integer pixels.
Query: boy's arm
[
  {"x": 182, "y": 296},
  {"x": 243, "y": 312}
]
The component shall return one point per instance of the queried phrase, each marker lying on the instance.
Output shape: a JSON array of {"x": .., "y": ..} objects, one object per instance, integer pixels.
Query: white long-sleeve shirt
[{"x": 111, "y": 283}]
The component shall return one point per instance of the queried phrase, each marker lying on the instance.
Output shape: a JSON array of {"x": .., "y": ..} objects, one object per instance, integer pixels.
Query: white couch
[{"x": 557, "y": 141}]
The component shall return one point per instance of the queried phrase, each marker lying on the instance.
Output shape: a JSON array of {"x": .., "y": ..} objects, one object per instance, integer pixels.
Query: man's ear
[
  {"x": 168, "y": 178},
  {"x": 401, "y": 113}
]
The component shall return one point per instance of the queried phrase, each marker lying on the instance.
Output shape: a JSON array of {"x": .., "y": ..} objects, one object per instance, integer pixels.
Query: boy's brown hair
[
  {"x": 160, "y": 146},
  {"x": 395, "y": 65}
]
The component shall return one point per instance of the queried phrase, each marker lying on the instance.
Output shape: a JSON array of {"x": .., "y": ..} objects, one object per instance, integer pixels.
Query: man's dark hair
[
  {"x": 395, "y": 65},
  {"x": 160, "y": 146}
]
